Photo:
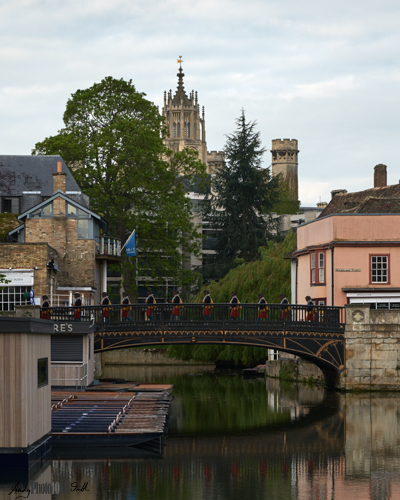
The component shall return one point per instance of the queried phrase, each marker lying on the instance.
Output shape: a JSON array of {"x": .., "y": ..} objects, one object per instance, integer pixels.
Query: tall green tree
[
  {"x": 240, "y": 201},
  {"x": 113, "y": 142}
]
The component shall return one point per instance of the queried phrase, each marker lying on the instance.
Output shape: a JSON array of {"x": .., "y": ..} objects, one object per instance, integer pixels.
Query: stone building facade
[
  {"x": 187, "y": 125},
  {"x": 57, "y": 249},
  {"x": 285, "y": 161}
]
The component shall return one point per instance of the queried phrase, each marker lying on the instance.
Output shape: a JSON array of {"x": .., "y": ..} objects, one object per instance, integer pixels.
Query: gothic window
[
  {"x": 179, "y": 129},
  {"x": 187, "y": 125},
  {"x": 174, "y": 128}
]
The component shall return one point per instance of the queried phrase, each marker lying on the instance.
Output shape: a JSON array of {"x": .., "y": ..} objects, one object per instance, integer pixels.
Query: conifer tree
[{"x": 239, "y": 204}]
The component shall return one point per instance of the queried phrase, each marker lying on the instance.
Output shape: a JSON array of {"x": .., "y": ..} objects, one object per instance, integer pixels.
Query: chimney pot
[
  {"x": 59, "y": 167},
  {"x": 380, "y": 176}
]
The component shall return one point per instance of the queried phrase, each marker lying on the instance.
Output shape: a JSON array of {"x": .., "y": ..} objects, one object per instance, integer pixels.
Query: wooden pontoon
[{"x": 130, "y": 417}]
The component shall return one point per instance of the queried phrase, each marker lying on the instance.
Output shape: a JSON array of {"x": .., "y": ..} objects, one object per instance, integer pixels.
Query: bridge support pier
[
  {"x": 372, "y": 349},
  {"x": 331, "y": 379}
]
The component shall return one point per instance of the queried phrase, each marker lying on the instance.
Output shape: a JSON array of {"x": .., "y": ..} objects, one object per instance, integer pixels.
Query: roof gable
[{"x": 60, "y": 194}]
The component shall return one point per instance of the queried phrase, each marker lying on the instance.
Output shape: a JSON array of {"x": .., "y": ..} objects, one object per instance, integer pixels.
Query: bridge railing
[{"x": 150, "y": 317}]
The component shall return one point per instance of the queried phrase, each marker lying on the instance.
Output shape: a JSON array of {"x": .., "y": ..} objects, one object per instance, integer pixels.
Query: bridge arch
[{"x": 323, "y": 350}]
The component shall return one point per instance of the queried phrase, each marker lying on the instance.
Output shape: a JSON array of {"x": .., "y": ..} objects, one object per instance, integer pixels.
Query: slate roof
[
  {"x": 31, "y": 173},
  {"x": 381, "y": 200}
]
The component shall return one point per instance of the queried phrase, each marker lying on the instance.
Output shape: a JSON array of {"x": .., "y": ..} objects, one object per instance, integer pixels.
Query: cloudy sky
[{"x": 323, "y": 72}]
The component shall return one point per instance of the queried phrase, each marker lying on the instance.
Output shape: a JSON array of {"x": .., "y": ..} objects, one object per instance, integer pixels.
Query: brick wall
[
  {"x": 76, "y": 257},
  {"x": 29, "y": 256},
  {"x": 59, "y": 181}
]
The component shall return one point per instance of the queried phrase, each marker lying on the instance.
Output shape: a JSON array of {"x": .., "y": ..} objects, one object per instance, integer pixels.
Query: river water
[{"x": 237, "y": 439}]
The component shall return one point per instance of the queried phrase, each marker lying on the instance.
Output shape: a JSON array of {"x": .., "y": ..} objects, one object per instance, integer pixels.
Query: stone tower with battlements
[
  {"x": 186, "y": 125},
  {"x": 285, "y": 161}
]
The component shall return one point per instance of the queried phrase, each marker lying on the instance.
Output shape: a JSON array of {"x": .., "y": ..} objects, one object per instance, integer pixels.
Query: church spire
[{"x": 180, "y": 93}]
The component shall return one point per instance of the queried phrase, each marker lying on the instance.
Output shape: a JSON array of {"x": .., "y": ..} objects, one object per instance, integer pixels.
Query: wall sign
[
  {"x": 348, "y": 270},
  {"x": 18, "y": 277}
]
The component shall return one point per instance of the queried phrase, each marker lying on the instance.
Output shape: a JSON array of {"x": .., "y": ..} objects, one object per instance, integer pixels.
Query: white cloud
[
  {"x": 325, "y": 89},
  {"x": 323, "y": 73}
]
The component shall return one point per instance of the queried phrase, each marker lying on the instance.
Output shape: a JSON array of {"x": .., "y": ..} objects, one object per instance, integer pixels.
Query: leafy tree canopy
[
  {"x": 288, "y": 202},
  {"x": 241, "y": 199},
  {"x": 113, "y": 143}
]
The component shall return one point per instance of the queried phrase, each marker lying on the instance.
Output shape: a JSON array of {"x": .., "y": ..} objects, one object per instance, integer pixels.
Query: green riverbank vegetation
[{"x": 269, "y": 275}]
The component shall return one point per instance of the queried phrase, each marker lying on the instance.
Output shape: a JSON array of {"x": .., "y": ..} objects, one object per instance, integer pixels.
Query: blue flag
[{"x": 130, "y": 246}]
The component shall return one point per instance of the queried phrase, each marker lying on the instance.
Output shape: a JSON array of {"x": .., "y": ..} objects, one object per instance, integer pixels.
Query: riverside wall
[
  {"x": 294, "y": 369},
  {"x": 135, "y": 356}
]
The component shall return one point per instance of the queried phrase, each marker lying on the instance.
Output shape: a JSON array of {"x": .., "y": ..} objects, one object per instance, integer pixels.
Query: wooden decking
[{"x": 111, "y": 415}]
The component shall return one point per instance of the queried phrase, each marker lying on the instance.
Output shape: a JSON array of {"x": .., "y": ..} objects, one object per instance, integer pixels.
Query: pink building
[{"x": 351, "y": 253}]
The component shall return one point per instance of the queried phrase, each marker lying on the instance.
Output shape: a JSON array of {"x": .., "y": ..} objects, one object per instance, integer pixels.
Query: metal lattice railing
[{"x": 205, "y": 316}]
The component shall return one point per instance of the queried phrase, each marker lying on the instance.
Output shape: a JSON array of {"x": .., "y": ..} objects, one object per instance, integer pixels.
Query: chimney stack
[
  {"x": 59, "y": 179},
  {"x": 338, "y": 192},
  {"x": 380, "y": 176}
]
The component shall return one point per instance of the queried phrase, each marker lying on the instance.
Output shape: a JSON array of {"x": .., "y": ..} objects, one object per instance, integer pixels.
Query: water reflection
[
  {"x": 154, "y": 373},
  {"x": 253, "y": 439}
]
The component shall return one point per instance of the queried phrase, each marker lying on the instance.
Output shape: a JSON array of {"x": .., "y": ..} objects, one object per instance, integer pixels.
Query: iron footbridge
[{"x": 316, "y": 335}]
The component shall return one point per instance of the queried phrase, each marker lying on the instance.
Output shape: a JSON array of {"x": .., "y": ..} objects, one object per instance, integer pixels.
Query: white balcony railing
[{"x": 108, "y": 246}]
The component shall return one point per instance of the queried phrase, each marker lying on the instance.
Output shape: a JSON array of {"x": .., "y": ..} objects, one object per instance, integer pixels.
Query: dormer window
[
  {"x": 75, "y": 212},
  {"x": 46, "y": 211},
  {"x": 10, "y": 205},
  {"x": 83, "y": 227}
]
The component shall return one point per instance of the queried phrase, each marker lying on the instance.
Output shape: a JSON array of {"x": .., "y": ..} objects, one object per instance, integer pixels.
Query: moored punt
[
  {"x": 129, "y": 387},
  {"x": 111, "y": 418}
]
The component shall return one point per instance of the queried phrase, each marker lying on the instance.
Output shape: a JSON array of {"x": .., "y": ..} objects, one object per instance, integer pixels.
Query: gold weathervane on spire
[{"x": 180, "y": 61}]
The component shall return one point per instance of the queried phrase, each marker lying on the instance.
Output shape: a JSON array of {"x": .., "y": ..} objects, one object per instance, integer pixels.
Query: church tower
[{"x": 185, "y": 124}]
